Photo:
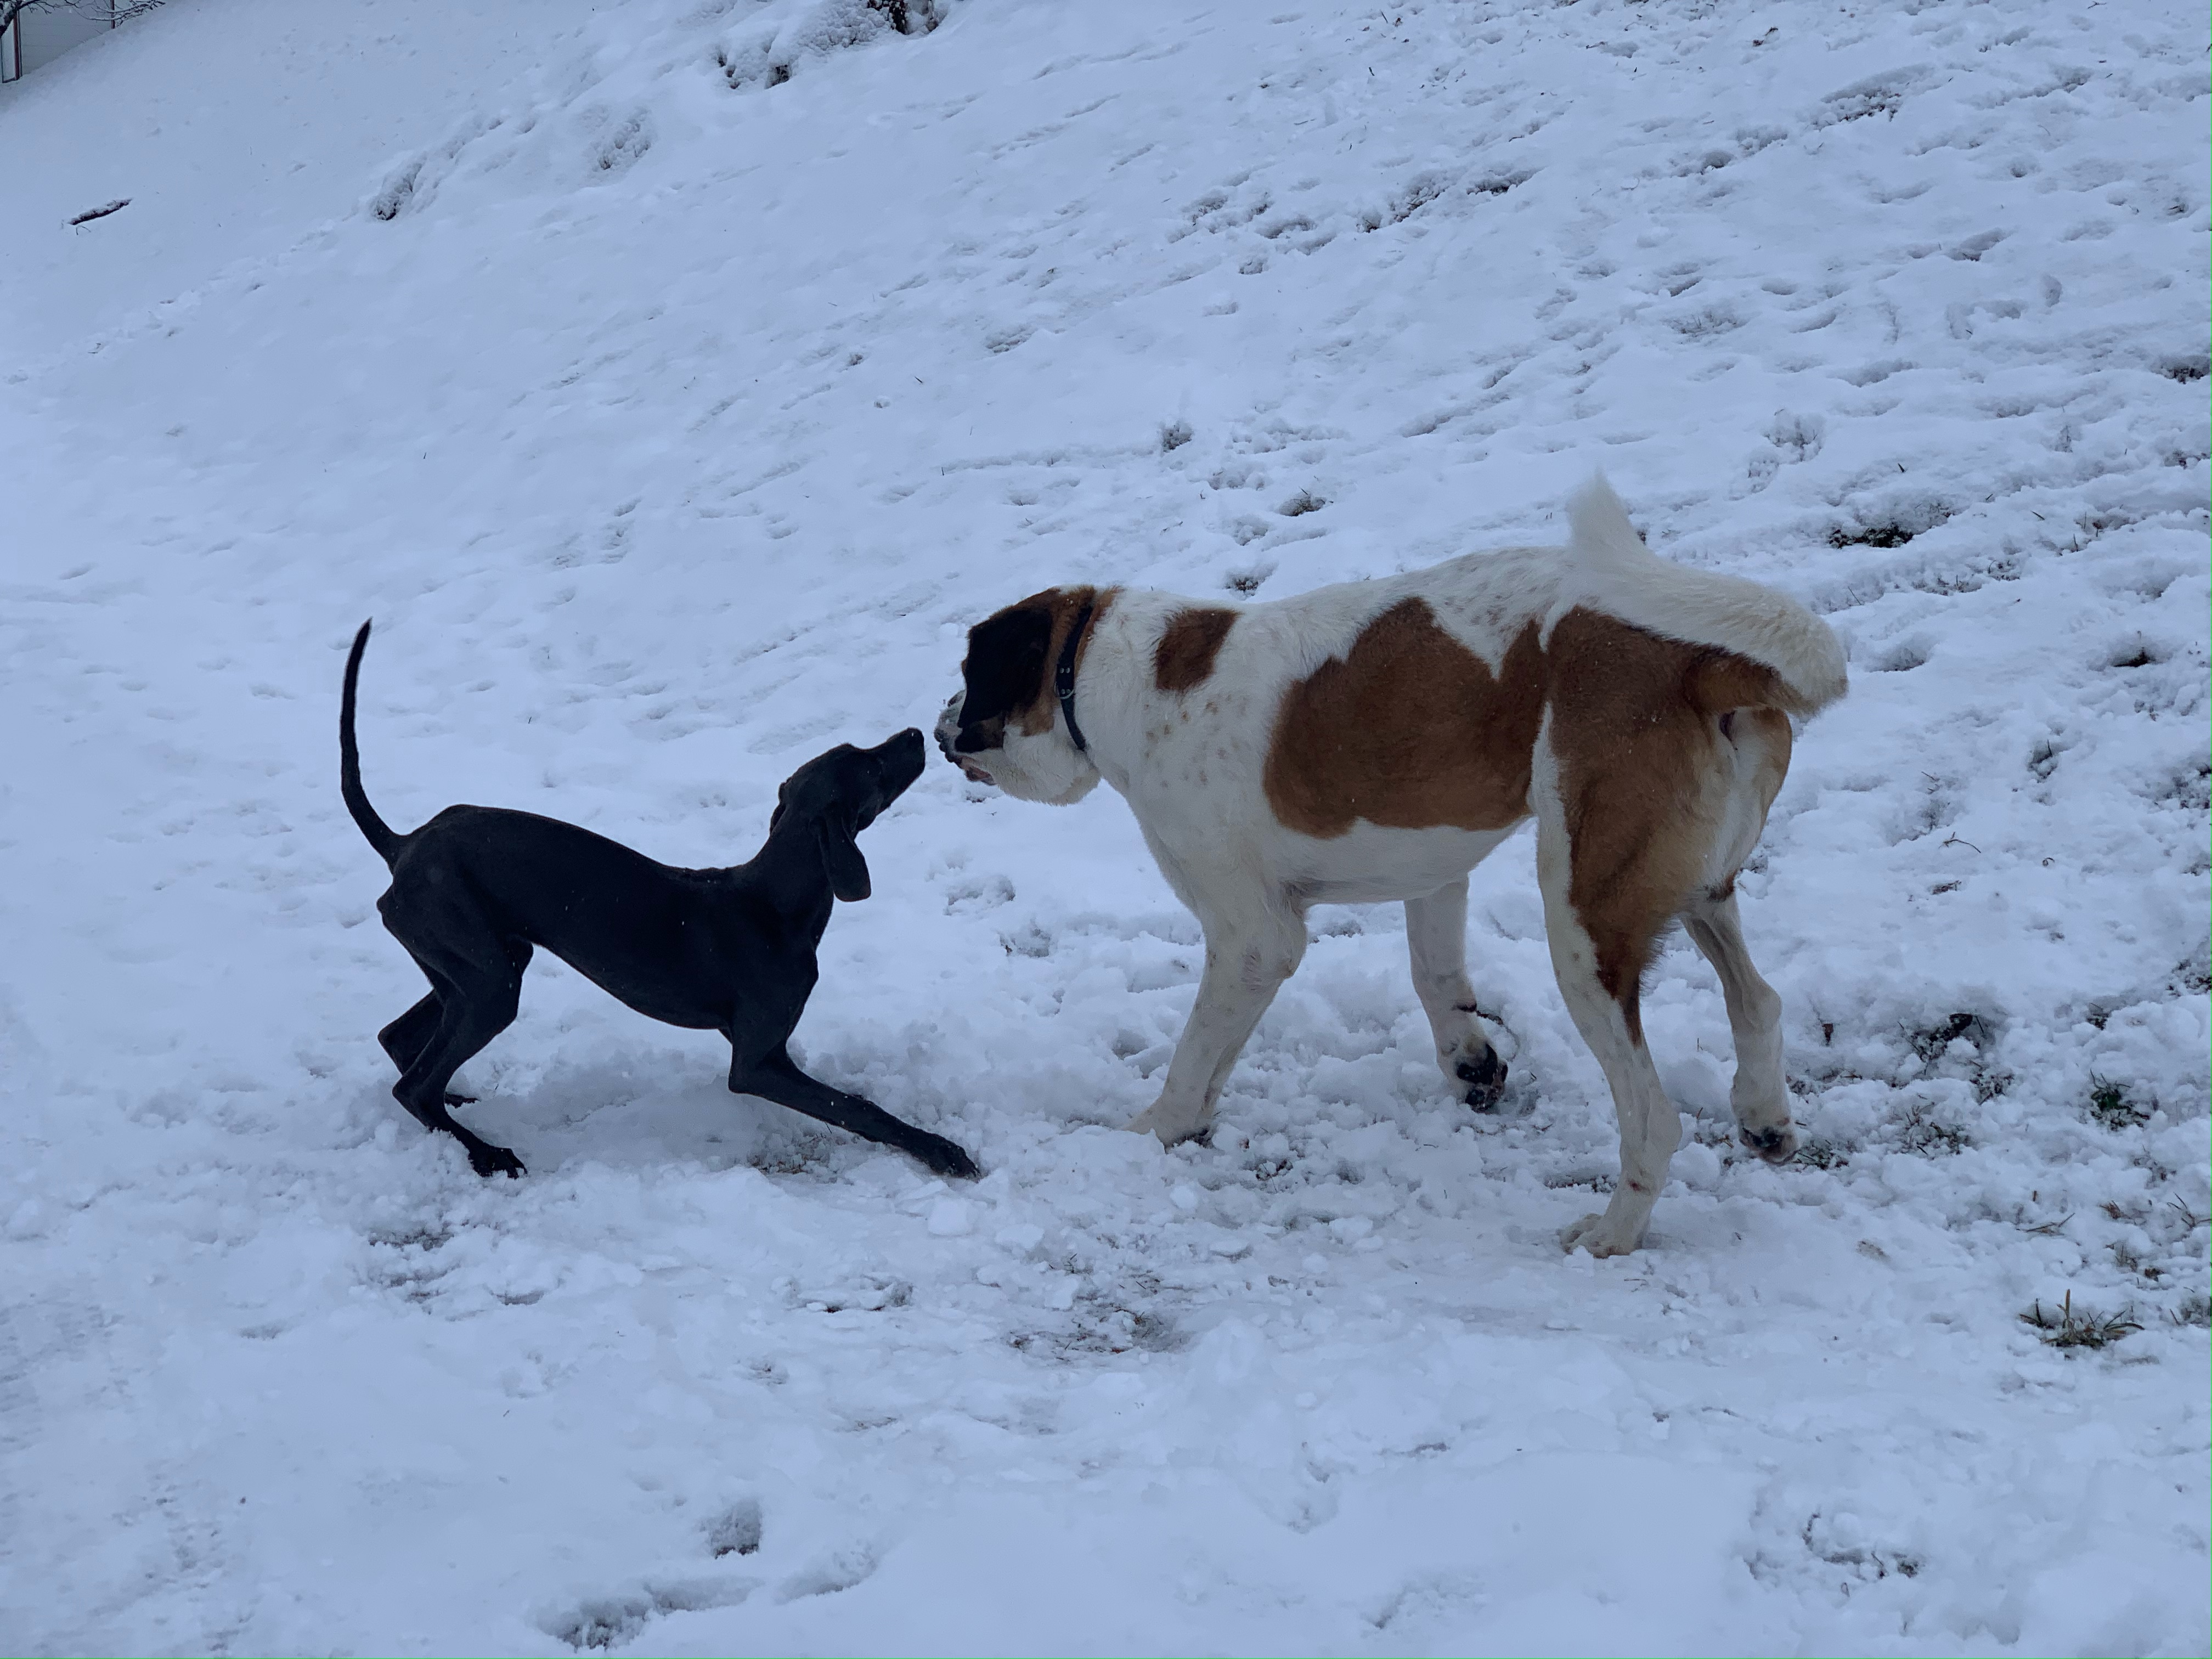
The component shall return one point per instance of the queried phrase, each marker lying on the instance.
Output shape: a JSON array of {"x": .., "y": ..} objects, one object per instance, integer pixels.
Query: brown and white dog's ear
[{"x": 1004, "y": 672}]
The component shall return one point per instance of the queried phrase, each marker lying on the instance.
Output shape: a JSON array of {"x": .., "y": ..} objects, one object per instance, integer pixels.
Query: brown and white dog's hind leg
[
  {"x": 1606, "y": 899},
  {"x": 1649, "y": 1129},
  {"x": 1249, "y": 952},
  {"x": 1436, "y": 938},
  {"x": 1757, "y": 757},
  {"x": 1759, "y": 1095}
]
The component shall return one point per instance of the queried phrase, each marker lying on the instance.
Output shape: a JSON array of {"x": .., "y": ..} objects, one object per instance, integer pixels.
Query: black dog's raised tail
[{"x": 380, "y": 834}]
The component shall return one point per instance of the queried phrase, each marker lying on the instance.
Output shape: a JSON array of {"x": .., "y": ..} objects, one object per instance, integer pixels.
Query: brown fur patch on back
[
  {"x": 1408, "y": 729},
  {"x": 1644, "y": 777},
  {"x": 1184, "y": 657}
]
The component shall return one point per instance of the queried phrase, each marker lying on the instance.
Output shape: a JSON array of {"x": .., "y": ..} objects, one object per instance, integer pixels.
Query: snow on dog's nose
[{"x": 948, "y": 729}]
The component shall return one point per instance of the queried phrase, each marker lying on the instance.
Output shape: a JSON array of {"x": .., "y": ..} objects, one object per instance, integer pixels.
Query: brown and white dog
[{"x": 1376, "y": 740}]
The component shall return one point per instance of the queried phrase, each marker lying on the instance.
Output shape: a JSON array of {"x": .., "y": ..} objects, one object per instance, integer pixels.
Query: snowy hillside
[{"x": 674, "y": 383}]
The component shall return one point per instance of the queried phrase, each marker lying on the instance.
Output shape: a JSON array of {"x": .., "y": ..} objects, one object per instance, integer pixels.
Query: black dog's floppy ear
[{"x": 840, "y": 854}]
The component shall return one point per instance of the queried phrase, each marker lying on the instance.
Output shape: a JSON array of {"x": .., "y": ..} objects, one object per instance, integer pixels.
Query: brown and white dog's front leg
[
  {"x": 1249, "y": 955},
  {"x": 1436, "y": 938}
]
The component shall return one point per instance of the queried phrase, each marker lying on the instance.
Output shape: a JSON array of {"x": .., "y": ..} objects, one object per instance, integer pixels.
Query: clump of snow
[{"x": 674, "y": 421}]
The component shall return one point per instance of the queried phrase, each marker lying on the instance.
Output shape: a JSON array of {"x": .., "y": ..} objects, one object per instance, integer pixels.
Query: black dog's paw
[
  {"x": 946, "y": 1159},
  {"x": 452, "y": 1099},
  {"x": 488, "y": 1161},
  {"x": 1485, "y": 1081}
]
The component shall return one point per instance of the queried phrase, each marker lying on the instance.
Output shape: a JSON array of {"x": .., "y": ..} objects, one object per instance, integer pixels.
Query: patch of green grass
[
  {"x": 1930, "y": 1136},
  {"x": 2066, "y": 1326},
  {"x": 1821, "y": 1155},
  {"x": 2112, "y": 1105}
]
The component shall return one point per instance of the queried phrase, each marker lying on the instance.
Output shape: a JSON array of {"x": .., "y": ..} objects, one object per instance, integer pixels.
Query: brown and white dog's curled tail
[
  {"x": 381, "y": 835},
  {"x": 1610, "y": 569}
]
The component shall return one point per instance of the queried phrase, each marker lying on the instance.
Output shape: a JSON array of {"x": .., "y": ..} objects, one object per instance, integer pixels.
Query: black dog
[{"x": 728, "y": 951}]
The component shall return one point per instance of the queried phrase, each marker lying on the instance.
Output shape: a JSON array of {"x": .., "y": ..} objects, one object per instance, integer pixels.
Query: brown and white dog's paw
[
  {"x": 1775, "y": 1144},
  {"x": 1479, "y": 1078},
  {"x": 1601, "y": 1235},
  {"x": 1172, "y": 1125}
]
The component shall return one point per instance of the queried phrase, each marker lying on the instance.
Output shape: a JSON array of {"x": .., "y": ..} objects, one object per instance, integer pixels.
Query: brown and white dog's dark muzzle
[{"x": 956, "y": 743}]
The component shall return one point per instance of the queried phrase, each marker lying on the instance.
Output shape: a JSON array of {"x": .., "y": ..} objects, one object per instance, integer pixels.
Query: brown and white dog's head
[{"x": 1004, "y": 726}]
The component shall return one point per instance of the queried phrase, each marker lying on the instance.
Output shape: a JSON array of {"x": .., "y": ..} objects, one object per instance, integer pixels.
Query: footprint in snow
[
  {"x": 737, "y": 1530},
  {"x": 602, "y": 1623},
  {"x": 852, "y": 1565}
]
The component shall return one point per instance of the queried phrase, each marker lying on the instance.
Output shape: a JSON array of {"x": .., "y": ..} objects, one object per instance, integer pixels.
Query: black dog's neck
[{"x": 787, "y": 874}]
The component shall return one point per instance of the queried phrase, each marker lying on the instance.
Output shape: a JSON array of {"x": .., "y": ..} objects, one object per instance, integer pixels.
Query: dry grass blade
[{"x": 2064, "y": 1327}]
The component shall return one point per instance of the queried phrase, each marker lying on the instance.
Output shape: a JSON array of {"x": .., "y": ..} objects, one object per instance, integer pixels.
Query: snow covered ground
[{"x": 674, "y": 383}]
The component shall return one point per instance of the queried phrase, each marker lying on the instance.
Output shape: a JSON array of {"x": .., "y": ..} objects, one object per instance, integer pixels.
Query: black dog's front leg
[{"x": 773, "y": 1077}]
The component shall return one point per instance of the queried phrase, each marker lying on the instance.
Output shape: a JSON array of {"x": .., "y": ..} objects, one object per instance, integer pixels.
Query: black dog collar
[{"x": 1063, "y": 677}]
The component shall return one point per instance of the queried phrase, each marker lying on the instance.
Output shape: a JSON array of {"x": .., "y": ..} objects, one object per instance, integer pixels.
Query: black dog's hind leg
[
  {"x": 775, "y": 1078},
  {"x": 407, "y": 1036},
  {"x": 470, "y": 1015},
  {"x": 475, "y": 980}
]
